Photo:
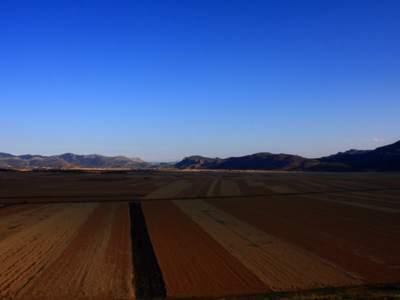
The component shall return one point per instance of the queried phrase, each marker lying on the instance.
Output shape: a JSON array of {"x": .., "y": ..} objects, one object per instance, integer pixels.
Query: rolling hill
[
  {"x": 257, "y": 161},
  {"x": 68, "y": 161},
  {"x": 386, "y": 158}
]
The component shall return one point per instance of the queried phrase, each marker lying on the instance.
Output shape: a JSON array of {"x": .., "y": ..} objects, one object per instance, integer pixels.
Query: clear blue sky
[{"x": 165, "y": 79}]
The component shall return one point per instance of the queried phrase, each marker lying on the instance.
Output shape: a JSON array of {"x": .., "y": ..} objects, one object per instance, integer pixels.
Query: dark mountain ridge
[{"x": 386, "y": 158}]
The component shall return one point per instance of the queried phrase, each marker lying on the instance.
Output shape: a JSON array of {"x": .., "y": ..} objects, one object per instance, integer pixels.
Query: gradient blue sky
[{"x": 166, "y": 79}]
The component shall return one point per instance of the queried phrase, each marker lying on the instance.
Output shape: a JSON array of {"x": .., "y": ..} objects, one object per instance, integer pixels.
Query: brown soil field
[
  {"x": 213, "y": 189},
  {"x": 73, "y": 251},
  {"x": 249, "y": 186},
  {"x": 229, "y": 187},
  {"x": 193, "y": 264},
  {"x": 199, "y": 188},
  {"x": 169, "y": 190},
  {"x": 25, "y": 254},
  {"x": 45, "y": 187},
  {"x": 363, "y": 240},
  {"x": 280, "y": 265},
  {"x": 225, "y": 234}
]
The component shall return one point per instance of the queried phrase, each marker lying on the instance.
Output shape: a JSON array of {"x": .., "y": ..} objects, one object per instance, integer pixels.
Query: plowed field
[
  {"x": 234, "y": 235},
  {"x": 65, "y": 251}
]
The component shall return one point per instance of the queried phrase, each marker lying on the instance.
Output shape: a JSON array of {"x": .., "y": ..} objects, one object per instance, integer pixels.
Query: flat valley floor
[{"x": 208, "y": 235}]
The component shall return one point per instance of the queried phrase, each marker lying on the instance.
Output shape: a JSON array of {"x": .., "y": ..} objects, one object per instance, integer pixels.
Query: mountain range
[
  {"x": 386, "y": 158},
  {"x": 69, "y": 161}
]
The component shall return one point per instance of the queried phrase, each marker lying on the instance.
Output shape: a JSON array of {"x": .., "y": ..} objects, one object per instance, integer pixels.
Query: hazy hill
[
  {"x": 69, "y": 160},
  {"x": 385, "y": 158}
]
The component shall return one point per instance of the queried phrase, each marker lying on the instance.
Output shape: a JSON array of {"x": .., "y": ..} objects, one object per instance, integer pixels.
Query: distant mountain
[
  {"x": 68, "y": 161},
  {"x": 385, "y": 158},
  {"x": 5, "y": 155},
  {"x": 198, "y": 162},
  {"x": 257, "y": 161},
  {"x": 266, "y": 160},
  {"x": 162, "y": 165}
]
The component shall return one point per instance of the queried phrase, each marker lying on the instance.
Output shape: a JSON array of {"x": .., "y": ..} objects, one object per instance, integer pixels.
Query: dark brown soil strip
[
  {"x": 148, "y": 279},
  {"x": 129, "y": 199}
]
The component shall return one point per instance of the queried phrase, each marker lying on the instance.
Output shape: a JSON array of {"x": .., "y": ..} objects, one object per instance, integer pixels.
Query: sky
[{"x": 165, "y": 79}]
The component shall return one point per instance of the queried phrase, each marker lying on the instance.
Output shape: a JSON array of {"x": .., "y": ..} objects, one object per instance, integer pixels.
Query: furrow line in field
[
  {"x": 26, "y": 254},
  {"x": 90, "y": 266}
]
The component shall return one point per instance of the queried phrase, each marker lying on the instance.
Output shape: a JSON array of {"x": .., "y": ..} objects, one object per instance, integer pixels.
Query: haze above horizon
[{"x": 162, "y": 80}]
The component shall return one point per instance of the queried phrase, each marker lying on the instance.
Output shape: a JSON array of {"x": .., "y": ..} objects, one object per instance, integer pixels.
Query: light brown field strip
[
  {"x": 25, "y": 255},
  {"x": 25, "y": 217},
  {"x": 280, "y": 265},
  {"x": 6, "y": 211},
  {"x": 362, "y": 241},
  {"x": 192, "y": 263},
  {"x": 96, "y": 264}
]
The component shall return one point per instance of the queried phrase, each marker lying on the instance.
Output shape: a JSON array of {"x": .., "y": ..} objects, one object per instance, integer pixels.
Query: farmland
[{"x": 239, "y": 235}]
